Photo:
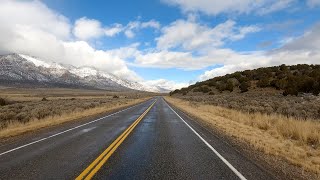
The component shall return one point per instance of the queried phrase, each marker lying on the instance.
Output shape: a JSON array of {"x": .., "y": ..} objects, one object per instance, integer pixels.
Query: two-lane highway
[{"x": 147, "y": 141}]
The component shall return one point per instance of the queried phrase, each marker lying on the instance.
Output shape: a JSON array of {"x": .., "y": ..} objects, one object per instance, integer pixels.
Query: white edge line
[
  {"x": 215, "y": 151},
  {"x": 62, "y": 132}
]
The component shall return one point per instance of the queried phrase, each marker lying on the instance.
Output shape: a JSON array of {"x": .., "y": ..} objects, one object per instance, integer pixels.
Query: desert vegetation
[
  {"x": 299, "y": 107},
  {"x": 290, "y": 80},
  {"x": 291, "y": 91},
  {"x": 297, "y": 141},
  {"x": 26, "y": 110}
]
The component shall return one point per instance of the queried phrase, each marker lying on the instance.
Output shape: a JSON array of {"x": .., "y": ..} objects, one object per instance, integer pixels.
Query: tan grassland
[
  {"x": 26, "y": 110},
  {"x": 297, "y": 141}
]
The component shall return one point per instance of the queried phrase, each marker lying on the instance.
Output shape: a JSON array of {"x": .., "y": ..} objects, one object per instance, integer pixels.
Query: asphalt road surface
[{"x": 151, "y": 140}]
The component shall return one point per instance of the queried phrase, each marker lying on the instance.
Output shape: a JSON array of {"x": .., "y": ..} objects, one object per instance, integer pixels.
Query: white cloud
[
  {"x": 113, "y": 30},
  {"x": 172, "y": 59},
  {"x": 300, "y": 50},
  {"x": 191, "y": 35},
  {"x": 233, "y": 61},
  {"x": 275, "y": 6},
  {"x": 33, "y": 15},
  {"x": 313, "y": 3},
  {"x": 38, "y": 31},
  {"x": 303, "y": 49},
  {"x": 185, "y": 60},
  {"x": 253, "y": 60},
  {"x": 165, "y": 84},
  {"x": 129, "y": 33},
  {"x": 126, "y": 52},
  {"x": 151, "y": 24},
  {"x": 187, "y": 34},
  {"x": 309, "y": 41},
  {"x": 243, "y": 31},
  {"x": 81, "y": 53},
  {"x": 214, "y": 7},
  {"x": 85, "y": 29},
  {"x": 133, "y": 26}
]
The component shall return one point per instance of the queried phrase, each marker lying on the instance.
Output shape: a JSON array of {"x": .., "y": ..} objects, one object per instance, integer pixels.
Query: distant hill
[
  {"x": 289, "y": 80},
  {"x": 20, "y": 70}
]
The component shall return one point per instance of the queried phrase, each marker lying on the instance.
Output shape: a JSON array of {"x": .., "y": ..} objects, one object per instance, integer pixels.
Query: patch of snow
[
  {"x": 84, "y": 71},
  {"x": 35, "y": 61},
  {"x": 102, "y": 78}
]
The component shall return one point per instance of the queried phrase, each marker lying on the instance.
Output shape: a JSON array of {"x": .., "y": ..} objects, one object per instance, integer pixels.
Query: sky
[{"x": 168, "y": 43}]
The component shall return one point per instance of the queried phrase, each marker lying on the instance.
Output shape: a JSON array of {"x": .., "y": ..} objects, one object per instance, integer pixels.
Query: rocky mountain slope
[{"x": 24, "y": 70}]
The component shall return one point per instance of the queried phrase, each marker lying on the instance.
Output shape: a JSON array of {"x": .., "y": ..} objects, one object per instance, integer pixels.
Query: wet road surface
[{"x": 151, "y": 140}]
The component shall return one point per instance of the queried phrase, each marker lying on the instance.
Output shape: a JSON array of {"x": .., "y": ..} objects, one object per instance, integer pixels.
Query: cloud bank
[
  {"x": 36, "y": 30},
  {"x": 187, "y": 44},
  {"x": 215, "y": 7},
  {"x": 200, "y": 46}
]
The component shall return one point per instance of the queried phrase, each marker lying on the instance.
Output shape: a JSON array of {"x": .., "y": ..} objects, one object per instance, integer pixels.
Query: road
[{"x": 151, "y": 140}]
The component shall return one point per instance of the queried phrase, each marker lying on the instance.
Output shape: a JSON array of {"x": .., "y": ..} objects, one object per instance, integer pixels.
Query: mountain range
[{"x": 28, "y": 71}]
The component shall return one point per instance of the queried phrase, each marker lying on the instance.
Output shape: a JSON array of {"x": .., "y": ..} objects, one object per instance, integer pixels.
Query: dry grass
[
  {"x": 264, "y": 101},
  {"x": 27, "y": 95},
  {"x": 297, "y": 141},
  {"x": 25, "y": 110},
  {"x": 14, "y": 128}
]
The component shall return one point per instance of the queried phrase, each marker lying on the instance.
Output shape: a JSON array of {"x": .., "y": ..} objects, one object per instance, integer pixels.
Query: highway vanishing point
[{"x": 151, "y": 140}]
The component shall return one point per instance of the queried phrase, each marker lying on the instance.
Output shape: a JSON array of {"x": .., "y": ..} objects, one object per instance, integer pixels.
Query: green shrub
[
  {"x": 283, "y": 67},
  {"x": 221, "y": 87},
  {"x": 264, "y": 82},
  {"x": 211, "y": 83},
  {"x": 203, "y": 89},
  {"x": 244, "y": 87},
  {"x": 290, "y": 91},
  {"x": 229, "y": 86},
  {"x": 174, "y": 92}
]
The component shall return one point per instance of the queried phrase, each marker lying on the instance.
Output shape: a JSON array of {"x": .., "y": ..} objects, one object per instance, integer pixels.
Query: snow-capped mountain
[{"x": 19, "y": 69}]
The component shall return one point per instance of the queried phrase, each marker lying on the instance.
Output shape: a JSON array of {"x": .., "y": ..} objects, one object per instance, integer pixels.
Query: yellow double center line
[{"x": 94, "y": 167}]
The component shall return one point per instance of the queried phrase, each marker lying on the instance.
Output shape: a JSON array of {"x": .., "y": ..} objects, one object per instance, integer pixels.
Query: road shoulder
[{"x": 276, "y": 166}]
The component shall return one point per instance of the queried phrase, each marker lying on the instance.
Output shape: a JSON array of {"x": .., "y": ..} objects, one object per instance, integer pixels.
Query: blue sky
[{"x": 170, "y": 43}]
